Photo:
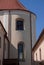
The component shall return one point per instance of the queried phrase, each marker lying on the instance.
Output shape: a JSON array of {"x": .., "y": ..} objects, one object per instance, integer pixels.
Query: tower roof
[{"x": 11, "y": 4}]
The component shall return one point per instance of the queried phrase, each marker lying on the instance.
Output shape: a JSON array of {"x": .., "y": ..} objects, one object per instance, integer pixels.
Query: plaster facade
[
  {"x": 8, "y": 19},
  {"x": 38, "y": 52}
]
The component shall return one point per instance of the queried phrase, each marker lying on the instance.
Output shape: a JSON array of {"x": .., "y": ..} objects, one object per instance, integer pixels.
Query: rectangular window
[
  {"x": 19, "y": 25},
  {"x": 0, "y": 42}
]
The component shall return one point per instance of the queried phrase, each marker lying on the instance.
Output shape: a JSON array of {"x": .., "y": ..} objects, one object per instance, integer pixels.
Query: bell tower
[
  {"x": 22, "y": 35},
  {"x": 20, "y": 26}
]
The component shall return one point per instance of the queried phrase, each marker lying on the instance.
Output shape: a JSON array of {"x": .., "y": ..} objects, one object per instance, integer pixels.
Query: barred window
[{"x": 19, "y": 24}]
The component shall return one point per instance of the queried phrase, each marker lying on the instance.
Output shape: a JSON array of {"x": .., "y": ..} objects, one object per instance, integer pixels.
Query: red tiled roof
[{"x": 11, "y": 4}]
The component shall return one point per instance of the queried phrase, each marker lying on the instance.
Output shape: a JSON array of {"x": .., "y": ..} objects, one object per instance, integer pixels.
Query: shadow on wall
[{"x": 13, "y": 54}]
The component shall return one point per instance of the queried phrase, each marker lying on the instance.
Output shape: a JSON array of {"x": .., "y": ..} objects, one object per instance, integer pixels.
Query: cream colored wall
[
  {"x": 17, "y": 36},
  {"x": 37, "y": 51}
]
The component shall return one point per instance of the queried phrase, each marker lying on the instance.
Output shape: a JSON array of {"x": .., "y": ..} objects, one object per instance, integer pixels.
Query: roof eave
[{"x": 20, "y": 10}]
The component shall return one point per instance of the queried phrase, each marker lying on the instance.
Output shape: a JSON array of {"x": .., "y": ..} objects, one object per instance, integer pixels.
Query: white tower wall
[
  {"x": 15, "y": 36},
  {"x": 25, "y": 36}
]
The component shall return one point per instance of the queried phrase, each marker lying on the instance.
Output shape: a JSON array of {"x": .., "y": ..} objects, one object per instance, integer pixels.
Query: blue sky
[{"x": 36, "y": 6}]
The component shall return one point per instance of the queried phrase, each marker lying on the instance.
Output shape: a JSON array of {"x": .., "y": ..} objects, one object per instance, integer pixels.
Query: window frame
[
  {"x": 22, "y": 20},
  {"x": 21, "y": 43}
]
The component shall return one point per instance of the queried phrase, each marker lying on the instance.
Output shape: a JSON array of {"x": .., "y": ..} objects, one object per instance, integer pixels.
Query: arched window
[
  {"x": 19, "y": 24},
  {"x": 21, "y": 51}
]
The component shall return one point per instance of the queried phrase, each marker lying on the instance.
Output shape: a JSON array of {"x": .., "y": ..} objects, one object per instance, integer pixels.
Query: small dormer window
[
  {"x": 0, "y": 42},
  {"x": 19, "y": 24}
]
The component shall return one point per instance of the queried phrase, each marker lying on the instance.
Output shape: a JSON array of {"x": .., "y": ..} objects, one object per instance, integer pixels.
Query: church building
[{"x": 17, "y": 33}]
